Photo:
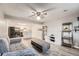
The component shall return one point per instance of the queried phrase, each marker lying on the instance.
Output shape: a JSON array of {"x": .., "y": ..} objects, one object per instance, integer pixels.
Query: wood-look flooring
[{"x": 53, "y": 51}]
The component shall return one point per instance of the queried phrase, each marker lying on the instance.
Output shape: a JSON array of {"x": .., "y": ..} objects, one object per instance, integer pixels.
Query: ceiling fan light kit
[
  {"x": 39, "y": 14},
  {"x": 38, "y": 18}
]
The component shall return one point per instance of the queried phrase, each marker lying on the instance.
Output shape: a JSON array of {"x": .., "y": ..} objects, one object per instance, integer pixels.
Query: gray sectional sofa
[
  {"x": 4, "y": 50},
  {"x": 4, "y": 45}
]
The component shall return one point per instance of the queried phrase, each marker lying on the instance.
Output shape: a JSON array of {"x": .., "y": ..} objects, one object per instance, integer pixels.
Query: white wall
[
  {"x": 30, "y": 26},
  {"x": 35, "y": 31},
  {"x": 3, "y": 31},
  {"x": 23, "y": 24},
  {"x": 55, "y": 27}
]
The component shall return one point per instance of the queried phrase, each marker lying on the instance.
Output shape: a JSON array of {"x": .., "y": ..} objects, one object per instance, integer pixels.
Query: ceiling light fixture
[{"x": 38, "y": 18}]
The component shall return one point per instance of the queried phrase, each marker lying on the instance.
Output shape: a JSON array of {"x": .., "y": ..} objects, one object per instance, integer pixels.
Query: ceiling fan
[{"x": 39, "y": 14}]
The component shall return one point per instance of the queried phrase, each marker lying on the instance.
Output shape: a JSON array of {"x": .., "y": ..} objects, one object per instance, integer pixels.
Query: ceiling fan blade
[
  {"x": 32, "y": 8},
  {"x": 31, "y": 15},
  {"x": 50, "y": 9}
]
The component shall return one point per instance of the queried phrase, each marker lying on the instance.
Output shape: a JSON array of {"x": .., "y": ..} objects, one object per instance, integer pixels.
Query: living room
[{"x": 37, "y": 28}]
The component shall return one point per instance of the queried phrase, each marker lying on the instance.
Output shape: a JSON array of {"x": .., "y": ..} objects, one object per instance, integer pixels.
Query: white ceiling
[{"x": 23, "y": 10}]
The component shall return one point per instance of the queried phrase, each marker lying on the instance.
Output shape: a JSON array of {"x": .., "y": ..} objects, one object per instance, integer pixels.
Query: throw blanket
[{"x": 25, "y": 52}]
